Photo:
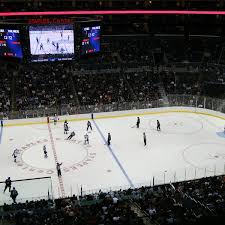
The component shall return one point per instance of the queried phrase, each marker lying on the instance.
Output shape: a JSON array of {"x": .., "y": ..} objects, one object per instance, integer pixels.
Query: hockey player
[
  {"x": 45, "y": 151},
  {"x": 55, "y": 119},
  {"x": 57, "y": 46},
  {"x": 58, "y": 168},
  {"x": 138, "y": 122},
  {"x": 13, "y": 194},
  {"x": 89, "y": 125},
  {"x": 158, "y": 126},
  {"x": 41, "y": 47},
  {"x": 8, "y": 184},
  {"x": 144, "y": 138},
  {"x": 71, "y": 135},
  {"x": 15, "y": 152},
  {"x": 86, "y": 139},
  {"x": 109, "y": 139},
  {"x": 66, "y": 128}
]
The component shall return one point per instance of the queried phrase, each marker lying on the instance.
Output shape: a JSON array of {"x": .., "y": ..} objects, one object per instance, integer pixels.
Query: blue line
[
  {"x": 1, "y": 132},
  {"x": 114, "y": 156}
]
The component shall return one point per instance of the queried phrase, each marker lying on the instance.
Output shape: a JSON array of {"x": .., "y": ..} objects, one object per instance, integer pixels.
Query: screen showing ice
[{"x": 51, "y": 43}]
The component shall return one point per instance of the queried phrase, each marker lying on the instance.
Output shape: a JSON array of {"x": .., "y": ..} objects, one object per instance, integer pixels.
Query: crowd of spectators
[
  {"x": 43, "y": 86},
  {"x": 182, "y": 83},
  {"x": 192, "y": 202},
  {"x": 97, "y": 88},
  {"x": 118, "y": 74},
  {"x": 135, "y": 50},
  {"x": 208, "y": 81},
  {"x": 58, "y": 86},
  {"x": 118, "y": 87},
  {"x": 7, "y": 74},
  {"x": 69, "y": 211},
  {"x": 145, "y": 85}
]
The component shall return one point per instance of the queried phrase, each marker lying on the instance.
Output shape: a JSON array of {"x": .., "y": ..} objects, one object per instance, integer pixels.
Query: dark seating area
[
  {"x": 43, "y": 86},
  {"x": 192, "y": 202},
  {"x": 98, "y": 88}
]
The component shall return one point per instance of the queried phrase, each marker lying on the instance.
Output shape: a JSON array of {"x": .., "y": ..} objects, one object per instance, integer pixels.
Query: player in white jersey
[
  {"x": 86, "y": 139},
  {"x": 55, "y": 119},
  {"x": 15, "y": 154}
]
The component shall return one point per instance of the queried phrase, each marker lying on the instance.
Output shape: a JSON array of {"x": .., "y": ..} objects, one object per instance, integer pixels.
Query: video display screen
[
  {"x": 90, "y": 39},
  {"x": 51, "y": 42},
  {"x": 10, "y": 43}
]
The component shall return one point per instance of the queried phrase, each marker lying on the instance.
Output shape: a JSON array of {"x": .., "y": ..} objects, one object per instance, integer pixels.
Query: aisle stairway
[
  {"x": 141, "y": 214},
  {"x": 163, "y": 94}
]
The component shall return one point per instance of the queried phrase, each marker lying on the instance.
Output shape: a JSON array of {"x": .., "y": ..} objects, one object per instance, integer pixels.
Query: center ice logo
[{"x": 73, "y": 153}]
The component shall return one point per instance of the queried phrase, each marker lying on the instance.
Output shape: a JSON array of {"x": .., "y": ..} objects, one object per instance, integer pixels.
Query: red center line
[{"x": 61, "y": 185}]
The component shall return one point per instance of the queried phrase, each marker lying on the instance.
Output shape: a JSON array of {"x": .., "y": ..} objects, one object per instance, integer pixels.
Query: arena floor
[{"x": 189, "y": 145}]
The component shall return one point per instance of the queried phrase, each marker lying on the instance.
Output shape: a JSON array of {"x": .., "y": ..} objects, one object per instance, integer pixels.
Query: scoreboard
[
  {"x": 90, "y": 39},
  {"x": 10, "y": 43},
  {"x": 49, "y": 39}
]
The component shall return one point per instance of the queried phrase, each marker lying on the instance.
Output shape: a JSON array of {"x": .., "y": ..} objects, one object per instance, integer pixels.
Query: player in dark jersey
[
  {"x": 71, "y": 135},
  {"x": 58, "y": 168},
  {"x": 138, "y": 122},
  {"x": 144, "y": 138},
  {"x": 66, "y": 128},
  {"x": 45, "y": 151},
  {"x": 109, "y": 139},
  {"x": 8, "y": 184},
  {"x": 89, "y": 125},
  {"x": 57, "y": 46},
  {"x": 158, "y": 126},
  {"x": 41, "y": 47}
]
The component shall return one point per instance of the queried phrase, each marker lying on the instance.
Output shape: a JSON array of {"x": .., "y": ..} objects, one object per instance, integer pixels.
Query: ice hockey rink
[{"x": 190, "y": 145}]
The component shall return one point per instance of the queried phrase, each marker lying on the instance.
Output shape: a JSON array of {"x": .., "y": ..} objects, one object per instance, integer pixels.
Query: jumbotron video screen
[
  {"x": 10, "y": 43},
  {"x": 90, "y": 39},
  {"x": 51, "y": 42}
]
